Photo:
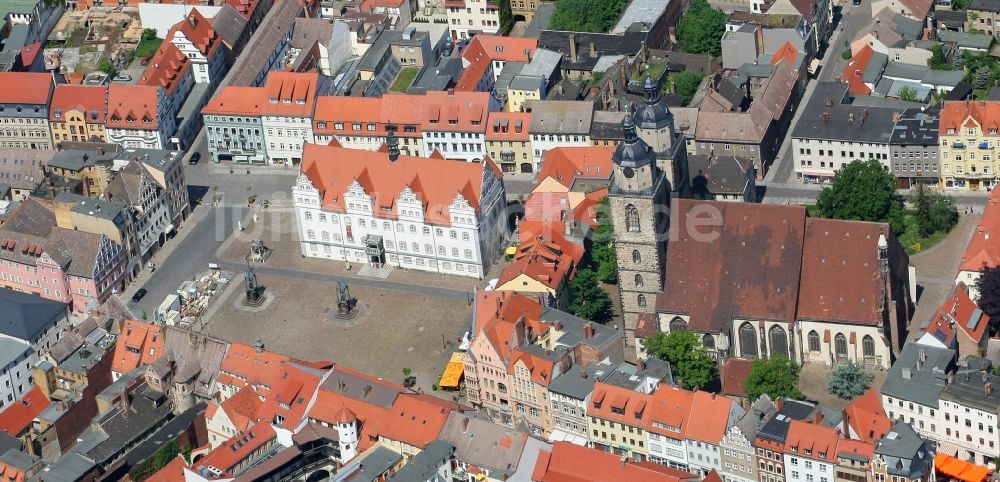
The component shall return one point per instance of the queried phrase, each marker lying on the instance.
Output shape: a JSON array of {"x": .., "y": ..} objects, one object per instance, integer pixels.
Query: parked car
[
  {"x": 194, "y": 158},
  {"x": 144, "y": 61},
  {"x": 122, "y": 77},
  {"x": 140, "y": 294}
]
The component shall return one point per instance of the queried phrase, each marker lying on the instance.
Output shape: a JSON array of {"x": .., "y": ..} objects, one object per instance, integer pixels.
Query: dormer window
[
  {"x": 57, "y": 114},
  {"x": 321, "y": 124},
  {"x": 286, "y": 101},
  {"x": 993, "y": 131},
  {"x": 338, "y": 125},
  {"x": 371, "y": 126},
  {"x": 356, "y": 126},
  {"x": 951, "y": 131},
  {"x": 300, "y": 101},
  {"x": 273, "y": 100}
]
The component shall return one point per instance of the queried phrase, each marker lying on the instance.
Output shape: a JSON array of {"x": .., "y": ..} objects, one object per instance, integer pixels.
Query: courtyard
[{"x": 86, "y": 41}]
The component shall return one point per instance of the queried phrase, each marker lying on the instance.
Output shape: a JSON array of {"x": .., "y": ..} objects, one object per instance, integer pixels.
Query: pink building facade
[{"x": 74, "y": 267}]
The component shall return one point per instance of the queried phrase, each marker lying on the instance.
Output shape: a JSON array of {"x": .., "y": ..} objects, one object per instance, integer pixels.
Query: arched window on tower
[
  {"x": 813, "y": 341},
  {"x": 631, "y": 219},
  {"x": 641, "y": 300},
  {"x": 708, "y": 341},
  {"x": 636, "y": 257},
  {"x": 779, "y": 341},
  {"x": 638, "y": 281}
]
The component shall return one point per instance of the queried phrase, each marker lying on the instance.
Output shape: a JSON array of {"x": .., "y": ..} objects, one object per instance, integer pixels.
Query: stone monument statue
[
  {"x": 253, "y": 291},
  {"x": 345, "y": 305}
]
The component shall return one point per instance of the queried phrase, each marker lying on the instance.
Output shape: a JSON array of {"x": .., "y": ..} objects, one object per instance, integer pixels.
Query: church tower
[
  {"x": 655, "y": 125},
  {"x": 639, "y": 199}
]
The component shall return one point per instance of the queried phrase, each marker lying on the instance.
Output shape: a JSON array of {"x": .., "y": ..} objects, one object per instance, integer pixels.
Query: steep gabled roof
[
  {"x": 132, "y": 107},
  {"x": 867, "y": 418},
  {"x": 437, "y": 183},
  {"x": 19, "y": 414},
  {"x": 981, "y": 251},
  {"x": 91, "y": 100}
]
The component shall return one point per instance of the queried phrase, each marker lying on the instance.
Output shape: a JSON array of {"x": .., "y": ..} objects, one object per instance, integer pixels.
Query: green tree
[
  {"x": 862, "y": 191},
  {"x": 107, "y": 67},
  {"x": 586, "y": 15},
  {"x": 701, "y": 28},
  {"x": 601, "y": 255},
  {"x": 922, "y": 203},
  {"x": 907, "y": 93},
  {"x": 688, "y": 359},
  {"x": 686, "y": 83},
  {"x": 408, "y": 379},
  {"x": 505, "y": 14},
  {"x": 846, "y": 55},
  {"x": 938, "y": 60},
  {"x": 776, "y": 376},
  {"x": 849, "y": 380},
  {"x": 982, "y": 77},
  {"x": 590, "y": 302},
  {"x": 988, "y": 286}
]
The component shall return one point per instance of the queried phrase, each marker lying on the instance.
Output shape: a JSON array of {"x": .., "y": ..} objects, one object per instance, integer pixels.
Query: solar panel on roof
[{"x": 977, "y": 315}]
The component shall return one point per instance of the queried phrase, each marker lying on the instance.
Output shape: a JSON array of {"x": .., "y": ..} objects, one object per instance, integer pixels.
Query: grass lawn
[
  {"x": 913, "y": 243},
  {"x": 147, "y": 47},
  {"x": 654, "y": 71},
  {"x": 404, "y": 79}
]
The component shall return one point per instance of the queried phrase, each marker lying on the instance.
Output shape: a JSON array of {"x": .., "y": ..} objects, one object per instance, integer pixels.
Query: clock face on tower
[{"x": 628, "y": 172}]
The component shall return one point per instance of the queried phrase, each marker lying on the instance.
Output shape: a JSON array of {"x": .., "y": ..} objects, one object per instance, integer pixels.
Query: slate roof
[
  {"x": 969, "y": 390},
  {"x": 876, "y": 128},
  {"x": 776, "y": 428},
  {"x": 561, "y": 117},
  {"x": 229, "y": 24},
  {"x": 628, "y": 44},
  {"x": 752, "y": 421},
  {"x": 905, "y": 452},
  {"x": 423, "y": 466},
  {"x": 717, "y": 175},
  {"x": 917, "y": 127},
  {"x": 966, "y": 39},
  {"x": 984, "y": 6},
  {"x": 269, "y": 34},
  {"x": 26, "y": 317},
  {"x": 480, "y": 442},
  {"x": 922, "y": 384},
  {"x": 22, "y": 168}
]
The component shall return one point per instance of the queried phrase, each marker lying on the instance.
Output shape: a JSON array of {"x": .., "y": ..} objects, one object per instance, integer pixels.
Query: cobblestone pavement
[
  {"x": 393, "y": 329},
  {"x": 812, "y": 383},
  {"x": 937, "y": 268}
]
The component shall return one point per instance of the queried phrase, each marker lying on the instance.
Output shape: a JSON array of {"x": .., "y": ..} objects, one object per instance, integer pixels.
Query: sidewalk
[{"x": 197, "y": 216}]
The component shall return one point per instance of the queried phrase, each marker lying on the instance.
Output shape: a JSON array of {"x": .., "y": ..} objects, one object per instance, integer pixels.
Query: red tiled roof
[
  {"x": 636, "y": 407},
  {"x": 25, "y": 87},
  {"x": 958, "y": 113},
  {"x": 496, "y": 314},
  {"x": 539, "y": 368},
  {"x": 981, "y": 250},
  {"x": 238, "y": 448},
  {"x": 733, "y": 372},
  {"x": 92, "y": 101},
  {"x": 18, "y": 416},
  {"x": 432, "y": 111},
  {"x": 139, "y": 344},
  {"x": 243, "y": 408},
  {"x": 568, "y": 462},
  {"x": 958, "y": 312},
  {"x": 866, "y": 417},
  {"x": 293, "y": 390},
  {"x": 503, "y": 126},
  {"x": 290, "y": 94},
  {"x": 132, "y": 107},
  {"x": 919, "y": 8},
  {"x": 198, "y": 30},
  {"x": 855, "y": 69},
  {"x": 166, "y": 69},
  {"x": 846, "y": 251},
  {"x": 565, "y": 164},
  {"x": 855, "y": 448},
  {"x": 479, "y": 55},
  {"x": 172, "y": 472},
  {"x": 236, "y": 100},
  {"x": 545, "y": 261},
  {"x": 787, "y": 52},
  {"x": 813, "y": 441},
  {"x": 436, "y": 182},
  {"x": 244, "y": 365}
]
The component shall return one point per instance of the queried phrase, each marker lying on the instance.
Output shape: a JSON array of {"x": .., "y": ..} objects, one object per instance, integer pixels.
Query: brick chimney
[
  {"x": 778, "y": 403},
  {"x": 588, "y": 330},
  {"x": 572, "y": 47}
]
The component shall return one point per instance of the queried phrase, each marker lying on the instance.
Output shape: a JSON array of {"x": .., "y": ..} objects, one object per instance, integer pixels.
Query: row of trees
[
  {"x": 586, "y": 15},
  {"x": 866, "y": 191},
  {"x": 777, "y": 376}
]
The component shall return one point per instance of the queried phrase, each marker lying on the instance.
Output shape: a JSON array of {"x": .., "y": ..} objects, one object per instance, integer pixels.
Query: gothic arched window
[
  {"x": 708, "y": 342},
  {"x": 678, "y": 324},
  {"x": 641, "y": 300},
  {"x": 748, "y": 341},
  {"x": 813, "y": 341},
  {"x": 868, "y": 345},
  {"x": 631, "y": 219},
  {"x": 636, "y": 257},
  {"x": 638, "y": 281},
  {"x": 779, "y": 341},
  {"x": 840, "y": 345}
]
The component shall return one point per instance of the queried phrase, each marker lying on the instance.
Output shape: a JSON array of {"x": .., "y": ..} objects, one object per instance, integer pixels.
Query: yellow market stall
[{"x": 451, "y": 379}]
